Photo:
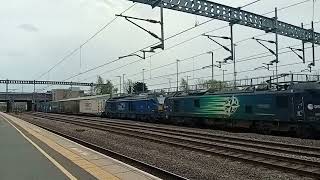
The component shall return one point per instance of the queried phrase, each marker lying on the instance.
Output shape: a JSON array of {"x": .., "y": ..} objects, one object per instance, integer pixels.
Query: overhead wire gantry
[{"x": 241, "y": 17}]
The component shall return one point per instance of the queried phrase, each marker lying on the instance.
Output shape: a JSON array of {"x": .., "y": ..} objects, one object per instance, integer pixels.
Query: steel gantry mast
[{"x": 236, "y": 16}]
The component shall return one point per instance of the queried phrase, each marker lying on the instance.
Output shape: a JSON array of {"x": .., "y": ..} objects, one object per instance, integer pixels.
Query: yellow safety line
[{"x": 59, "y": 166}]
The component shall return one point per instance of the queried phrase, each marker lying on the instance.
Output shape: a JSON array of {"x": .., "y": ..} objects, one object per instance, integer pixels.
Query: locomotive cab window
[
  {"x": 282, "y": 101},
  {"x": 196, "y": 103}
]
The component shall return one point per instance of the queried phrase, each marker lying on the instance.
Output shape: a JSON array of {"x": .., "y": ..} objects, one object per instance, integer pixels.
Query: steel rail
[
  {"x": 298, "y": 166},
  {"x": 274, "y": 146}
]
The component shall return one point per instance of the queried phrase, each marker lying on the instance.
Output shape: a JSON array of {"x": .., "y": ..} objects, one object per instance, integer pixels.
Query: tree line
[{"x": 129, "y": 87}]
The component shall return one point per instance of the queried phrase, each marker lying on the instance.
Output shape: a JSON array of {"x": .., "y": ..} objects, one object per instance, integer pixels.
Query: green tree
[
  {"x": 201, "y": 84},
  {"x": 215, "y": 85},
  {"x": 103, "y": 88},
  {"x": 128, "y": 86},
  {"x": 140, "y": 87},
  {"x": 183, "y": 85}
]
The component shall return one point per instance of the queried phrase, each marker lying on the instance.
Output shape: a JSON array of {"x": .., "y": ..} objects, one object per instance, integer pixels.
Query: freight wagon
[{"x": 90, "y": 105}]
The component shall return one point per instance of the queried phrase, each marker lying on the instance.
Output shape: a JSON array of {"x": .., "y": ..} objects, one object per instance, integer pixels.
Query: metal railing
[{"x": 269, "y": 82}]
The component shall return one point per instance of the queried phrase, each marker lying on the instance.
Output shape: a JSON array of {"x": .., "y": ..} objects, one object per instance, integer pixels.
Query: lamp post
[
  {"x": 212, "y": 66},
  {"x": 169, "y": 83},
  {"x": 178, "y": 75},
  {"x": 120, "y": 85},
  {"x": 223, "y": 70},
  {"x": 143, "y": 80},
  {"x": 123, "y": 81},
  {"x": 188, "y": 83}
]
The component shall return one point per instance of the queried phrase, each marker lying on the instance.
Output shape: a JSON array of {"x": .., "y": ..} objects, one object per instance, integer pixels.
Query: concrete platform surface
[
  {"x": 19, "y": 159},
  {"x": 30, "y": 152}
]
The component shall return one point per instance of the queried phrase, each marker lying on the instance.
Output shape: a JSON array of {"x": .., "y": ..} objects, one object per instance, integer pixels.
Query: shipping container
[{"x": 92, "y": 106}]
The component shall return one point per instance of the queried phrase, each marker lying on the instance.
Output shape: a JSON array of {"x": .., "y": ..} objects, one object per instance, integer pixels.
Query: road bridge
[{"x": 11, "y": 97}]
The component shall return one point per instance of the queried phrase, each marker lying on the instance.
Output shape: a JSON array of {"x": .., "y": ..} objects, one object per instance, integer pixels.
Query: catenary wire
[
  {"x": 167, "y": 39},
  {"x": 243, "y": 60},
  {"x": 97, "y": 67},
  {"x": 84, "y": 43},
  {"x": 286, "y": 7}
]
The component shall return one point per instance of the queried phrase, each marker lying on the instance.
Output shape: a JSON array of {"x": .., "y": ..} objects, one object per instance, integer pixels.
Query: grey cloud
[
  {"x": 28, "y": 27},
  {"x": 12, "y": 54},
  {"x": 106, "y": 2}
]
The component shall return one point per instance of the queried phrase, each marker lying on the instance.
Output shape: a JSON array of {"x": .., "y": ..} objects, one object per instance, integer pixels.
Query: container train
[
  {"x": 295, "y": 109},
  {"x": 91, "y": 105}
]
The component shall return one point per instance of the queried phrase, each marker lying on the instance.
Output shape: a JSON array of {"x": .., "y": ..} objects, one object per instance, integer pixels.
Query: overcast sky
[{"x": 36, "y": 34}]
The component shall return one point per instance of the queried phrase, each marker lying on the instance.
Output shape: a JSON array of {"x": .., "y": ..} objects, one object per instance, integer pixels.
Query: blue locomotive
[
  {"x": 294, "y": 109},
  {"x": 142, "y": 107}
]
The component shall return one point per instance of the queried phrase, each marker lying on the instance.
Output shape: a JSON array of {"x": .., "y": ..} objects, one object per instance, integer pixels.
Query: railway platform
[{"x": 30, "y": 152}]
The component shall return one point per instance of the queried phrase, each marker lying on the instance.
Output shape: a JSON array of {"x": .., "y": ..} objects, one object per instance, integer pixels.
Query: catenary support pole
[
  {"x": 123, "y": 81},
  {"x": 313, "y": 51},
  {"x": 212, "y": 67},
  {"x": 232, "y": 56},
  {"x": 277, "y": 42},
  {"x": 177, "y": 75},
  {"x": 303, "y": 49},
  {"x": 162, "y": 25},
  {"x": 143, "y": 80}
]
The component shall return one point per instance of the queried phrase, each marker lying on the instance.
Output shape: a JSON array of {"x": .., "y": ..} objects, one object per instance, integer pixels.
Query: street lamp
[
  {"x": 120, "y": 84},
  {"x": 123, "y": 81},
  {"x": 143, "y": 80},
  {"x": 188, "y": 82},
  {"x": 169, "y": 83},
  {"x": 178, "y": 74},
  {"x": 223, "y": 70},
  {"x": 212, "y": 66}
]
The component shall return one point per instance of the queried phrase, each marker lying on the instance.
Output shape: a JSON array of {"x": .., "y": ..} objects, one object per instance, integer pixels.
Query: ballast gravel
[
  {"x": 240, "y": 134},
  {"x": 189, "y": 164}
]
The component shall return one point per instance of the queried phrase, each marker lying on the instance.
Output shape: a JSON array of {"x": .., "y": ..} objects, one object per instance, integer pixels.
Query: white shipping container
[{"x": 93, "y": 106}]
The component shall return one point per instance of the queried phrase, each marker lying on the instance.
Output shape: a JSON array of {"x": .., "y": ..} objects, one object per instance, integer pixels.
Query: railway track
[
  {"x": 292, "y": 158},
  {"x": 264, "y": 145}
]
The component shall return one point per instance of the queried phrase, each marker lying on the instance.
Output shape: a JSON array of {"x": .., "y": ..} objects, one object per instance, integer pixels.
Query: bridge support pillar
[
  {"x": 29, "y": 106},
  {"x": 9, "y": 107}
]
